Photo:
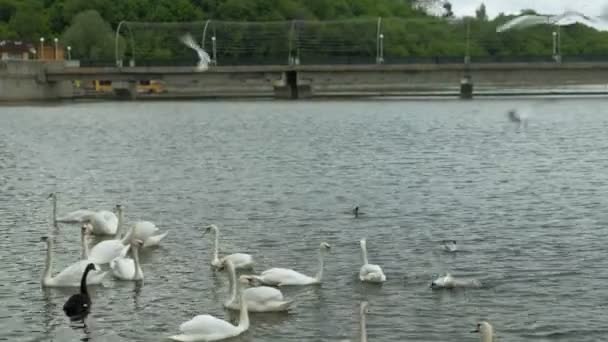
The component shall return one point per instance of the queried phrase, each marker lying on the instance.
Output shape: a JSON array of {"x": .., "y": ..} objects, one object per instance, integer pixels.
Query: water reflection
[{"x": 79, "y": 325}]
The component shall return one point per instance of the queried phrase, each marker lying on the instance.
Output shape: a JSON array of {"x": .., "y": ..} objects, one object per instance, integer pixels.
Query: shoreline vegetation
[{"x": 263, "y": 31}]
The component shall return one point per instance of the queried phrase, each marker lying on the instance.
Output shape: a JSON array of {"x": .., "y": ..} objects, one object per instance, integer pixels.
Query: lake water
[{"x": 526, "y": 205}]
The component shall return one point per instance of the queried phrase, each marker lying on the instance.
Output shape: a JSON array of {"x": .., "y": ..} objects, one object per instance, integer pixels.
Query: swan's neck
[
  {"x": 48, "y": 262},
  {"x": 487, "y": 335},
  {"x": 232, "y": 285},
  {"x": 364, "y": 252},
  {"x": 319, "y": 274},
  {"x": 363, "y": 327},
  {"x": 83, "y": 282},
  {"x": 135, "y": 250},
  {"x": 84, "y": 246},
  {"x": 127, "y": 237},
  {"x": 244, "y": 315},
  {"x": 216, "y": 233}
]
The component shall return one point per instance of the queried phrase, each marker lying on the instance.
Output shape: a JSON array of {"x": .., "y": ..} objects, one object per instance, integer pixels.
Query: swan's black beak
[{"x": 476, "y": 330}]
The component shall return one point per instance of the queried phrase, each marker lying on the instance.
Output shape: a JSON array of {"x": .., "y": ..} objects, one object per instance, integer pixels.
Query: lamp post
[
  {"x": 214, "y": 51},
  {"x": 56, "y": 41},
  {"x": 69, "y": 53},
  {"x": 41, "y": 56},
  {"x": 554, "y": 34},
  {"x": 381, "y": 54}
]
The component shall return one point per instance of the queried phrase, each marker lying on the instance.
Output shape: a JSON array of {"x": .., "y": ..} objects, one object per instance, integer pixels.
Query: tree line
[{"x": 88, "y": 26}]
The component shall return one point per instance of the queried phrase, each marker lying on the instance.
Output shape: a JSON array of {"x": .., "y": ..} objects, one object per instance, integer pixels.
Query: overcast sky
[{"x": 493, "y": 7}]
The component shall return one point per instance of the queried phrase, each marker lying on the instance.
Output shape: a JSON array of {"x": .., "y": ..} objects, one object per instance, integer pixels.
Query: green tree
[
  {"x": 29, "y": 21},
  {"x": 91, "y": 37}
]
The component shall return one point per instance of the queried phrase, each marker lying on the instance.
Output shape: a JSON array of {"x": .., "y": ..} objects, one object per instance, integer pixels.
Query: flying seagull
[
  {"x": 565, "y": 19},
  {"x": 204, "y": 59}
]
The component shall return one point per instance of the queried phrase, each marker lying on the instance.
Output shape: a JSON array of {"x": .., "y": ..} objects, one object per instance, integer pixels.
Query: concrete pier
[
  {"x": 24, "y": 81},
  {"x": 27, "y": 81}
]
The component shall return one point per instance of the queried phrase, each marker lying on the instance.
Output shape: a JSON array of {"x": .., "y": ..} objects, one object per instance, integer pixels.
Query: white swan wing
[
  {"x": 154, "y": 240},
  {"x": 71, "y": 275},
  {"x": 123, "y": 268},
  {"x": 285, "y": 276},
  {"x": 77, "y": 216},
  {"x": 240, "y": 260},
  {"x": 189, "y": 42},
  {"x": 144, "y": 230},
  {"x": 523, "y": 22},
  {"x": 206, "y": 325},
  {"x": 106, "y": 251},
  {"x": 371, "y": 272},
  {"x": 262, "y": 294},
  {"x": 104, "y": 223}
]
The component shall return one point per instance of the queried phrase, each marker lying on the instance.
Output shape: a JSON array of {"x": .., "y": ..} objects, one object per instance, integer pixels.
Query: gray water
[{"x": 526, "y": 205}]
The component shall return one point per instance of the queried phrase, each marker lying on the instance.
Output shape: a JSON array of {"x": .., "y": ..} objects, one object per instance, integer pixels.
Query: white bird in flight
[
  {"x": 565, "y": 19},
  {"x": 204, "y": 59}
]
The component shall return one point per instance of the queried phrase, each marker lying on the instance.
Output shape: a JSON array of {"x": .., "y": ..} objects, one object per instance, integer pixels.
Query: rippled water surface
[{"x": 526, "y": 205}]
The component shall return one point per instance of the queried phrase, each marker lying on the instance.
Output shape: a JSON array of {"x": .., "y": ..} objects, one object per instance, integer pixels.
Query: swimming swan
[
  {"x": 239, "y": 260},
  {"x": 126, "y": 268},
  {"x": 449, "y": 282},
  {"x": 78, "y": 216},
  {"x": 79, "y": 305},
  {"x": 107, "y": 250},
  {"x": 209, "y": 328},
  {"x": 145, "y": 231},
  {"x": 485, "y": 330},
  {"x": 285, "y": 276},
  {"x": 369, "y": 272},
  {"x": 71, "y": 275},
  {"x": 104, "y": 223},
  {"x": 259, "y": 299}
]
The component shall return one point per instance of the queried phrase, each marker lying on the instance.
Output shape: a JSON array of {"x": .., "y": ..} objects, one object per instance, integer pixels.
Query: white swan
[
  {"x": 449, "y": 282},
  {"x": 71, "y": 276},
  {"x": 450, "y": 246},
  {"x": 78, "y": 216},
  {"x": 128, "y": 269},
  {"x": 259, "y": 299},
  {"x": 363, "y": 310},
  {"x": 145, "y": 230},
  {"x": 103, "y": 222},
  {"x": 204, "y": 59},
  {"x": 285, "y": 276},
  {"x": 209, "y": 328},
  {"x": 239, "y": 260},
  {"x": 107, "y": 250},
  {"x": 369, "y": 272},
  {"x": 485, "y": 330}
]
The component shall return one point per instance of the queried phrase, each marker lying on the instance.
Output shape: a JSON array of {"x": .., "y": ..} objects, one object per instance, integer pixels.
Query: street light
[
  {"x": 214, "y": 50},
  {"x": 69, "y": 53},
  {"x": 41, "y": 56},
  {"x": 56, "y": 40},
  {"x": 381, "y": 55},
  {"x": 554, "y": 45}
]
